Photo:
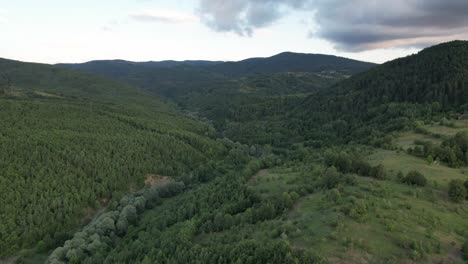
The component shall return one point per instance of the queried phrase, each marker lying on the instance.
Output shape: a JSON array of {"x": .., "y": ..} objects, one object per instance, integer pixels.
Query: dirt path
[{"x": 153, "y": 179}]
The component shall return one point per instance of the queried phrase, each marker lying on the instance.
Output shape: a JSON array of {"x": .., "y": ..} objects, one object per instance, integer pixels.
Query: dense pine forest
[{"x": 290, "y": 159}]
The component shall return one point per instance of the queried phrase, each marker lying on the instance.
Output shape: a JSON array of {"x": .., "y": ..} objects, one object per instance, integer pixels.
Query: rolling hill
[
  {"x": 291, "y": 62},
  {"x": 436, "y": 74},
  {"x": 324, "y": 167},
  {"x": 390, "y": 96},
  {"x": 228, "y": 93},
  {"x": 185, "y": 77}
]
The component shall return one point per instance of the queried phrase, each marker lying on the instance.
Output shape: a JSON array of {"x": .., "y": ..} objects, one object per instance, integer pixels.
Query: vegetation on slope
[
  {"x": 291, "y": 62},
  {"x": 71, "y": 141},
  {"x": 319, "y": 194}
]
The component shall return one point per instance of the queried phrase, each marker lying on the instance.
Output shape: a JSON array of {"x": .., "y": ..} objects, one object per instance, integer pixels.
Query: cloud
[
  {"x": 351, "y": 25},
  {"x": 362, "y": 25},
  {"x": 164, "y": 16},
  {"x": 243, "y": 16}
]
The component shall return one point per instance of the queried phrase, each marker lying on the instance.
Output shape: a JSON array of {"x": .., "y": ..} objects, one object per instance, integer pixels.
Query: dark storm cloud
[{"x": 352, "y": 25}]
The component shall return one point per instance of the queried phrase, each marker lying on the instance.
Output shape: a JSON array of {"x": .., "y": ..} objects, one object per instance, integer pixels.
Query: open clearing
[{"x": 405, "y": 163}]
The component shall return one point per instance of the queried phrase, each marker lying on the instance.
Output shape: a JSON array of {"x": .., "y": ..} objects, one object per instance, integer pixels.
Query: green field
[
  {"x": 457, "y": 126},
  {"x": 391, "y": 223},
  {"x": 406, "y": 139},
  {"x": 405, "y": 163}
]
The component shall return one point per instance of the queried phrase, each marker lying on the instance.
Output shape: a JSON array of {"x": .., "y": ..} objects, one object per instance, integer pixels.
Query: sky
[{"x": 55, "y": 31}]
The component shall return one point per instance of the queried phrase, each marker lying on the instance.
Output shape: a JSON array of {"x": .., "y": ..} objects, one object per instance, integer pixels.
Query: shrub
[
  {"x": 400, "y": 176},
  {"x": 457, "y": 191},
  {"x": 378, "y": 172},
  {"x": 415, "y": 178},
  {"x": 331, "y": 178},
  {"x": 355, "y": 208},
  {"x": 361, "y": 167}
]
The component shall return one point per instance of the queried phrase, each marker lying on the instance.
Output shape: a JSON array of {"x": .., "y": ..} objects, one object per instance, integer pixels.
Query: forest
[{"x": 209, "y": 163}]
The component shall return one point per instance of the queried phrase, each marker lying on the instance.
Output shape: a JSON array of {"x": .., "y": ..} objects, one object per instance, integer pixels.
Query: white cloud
[{"x": 164, "y": 16}]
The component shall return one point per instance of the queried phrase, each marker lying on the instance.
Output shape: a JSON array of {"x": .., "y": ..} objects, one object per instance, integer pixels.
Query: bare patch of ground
[
  {"x": 44, "y": 94},
  {"x": 153, "y": 179}
]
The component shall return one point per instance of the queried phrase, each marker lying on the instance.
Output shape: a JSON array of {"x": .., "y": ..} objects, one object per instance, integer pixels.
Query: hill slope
[
  {"x": 436, "y": 74},
  {"x": 391, "y": 96},
  {"x": 184, "y": 77},
  {"x": 28, "y": 77},
  {"x": 342, "y": 184},
  {"x": 291, "y": 62},
  {"x": 71, "y": 141},
  {"x": 239, "y": 97}
]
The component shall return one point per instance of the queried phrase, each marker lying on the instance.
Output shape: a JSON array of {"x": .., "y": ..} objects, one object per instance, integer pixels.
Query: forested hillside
[
  {"x": 436, "y": 74},
  {"x": 190, "y": 76},
  {"x": 286, "y": 167},
  {"x": 358, "y": 172},
  {"x": 389, "y": 97},
  {"x": 291, "y": 62},
  {"x": 70, "y": 142},
  {"x": 247, "y": 100}
]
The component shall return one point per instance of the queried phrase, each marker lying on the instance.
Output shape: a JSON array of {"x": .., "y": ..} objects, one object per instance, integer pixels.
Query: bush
[
  {"x": 400, "y": 176},
  {"x": 331, "y": 178},
  {"x": 355, "y": 208},
  {"x": 378, "y": 172},
  {"x": 415, "y": 178},
  {"x": 457, "y": 191}
]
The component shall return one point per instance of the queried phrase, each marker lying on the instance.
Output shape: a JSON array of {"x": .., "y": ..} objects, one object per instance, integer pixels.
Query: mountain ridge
[
  {"x": 292, "y": 62},
  {"x": 251, "y": 65}
]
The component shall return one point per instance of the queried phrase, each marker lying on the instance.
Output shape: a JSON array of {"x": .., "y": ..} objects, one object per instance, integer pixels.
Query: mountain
[
  {"x": 183, "y": 77},
  {"x": 227, "y": 93},
  {"x": 298, "y": 167},
  {"x": 436, "y": 74},
  {"x": 391, "y": 95},
  {"x": 291, "y": 62},
  {"x": 339, "y": 169},
  {"x": 116, "y": 67}
]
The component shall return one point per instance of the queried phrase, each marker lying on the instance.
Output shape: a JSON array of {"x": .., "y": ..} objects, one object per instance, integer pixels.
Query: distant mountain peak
[{"x": 292, "y": 62}]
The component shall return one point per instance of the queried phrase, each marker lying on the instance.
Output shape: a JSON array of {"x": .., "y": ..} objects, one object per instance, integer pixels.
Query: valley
[{"x": 295, "y": 158}]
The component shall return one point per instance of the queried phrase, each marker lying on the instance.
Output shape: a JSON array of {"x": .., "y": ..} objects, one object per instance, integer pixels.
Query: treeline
[
  {"x": 340, "y": 162},
  {"x": 452, "y": 151},
  {"x": 352, "y": 163},
  {"x": 172, "y": 231},
  {"x": 103, "y": 232}
]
